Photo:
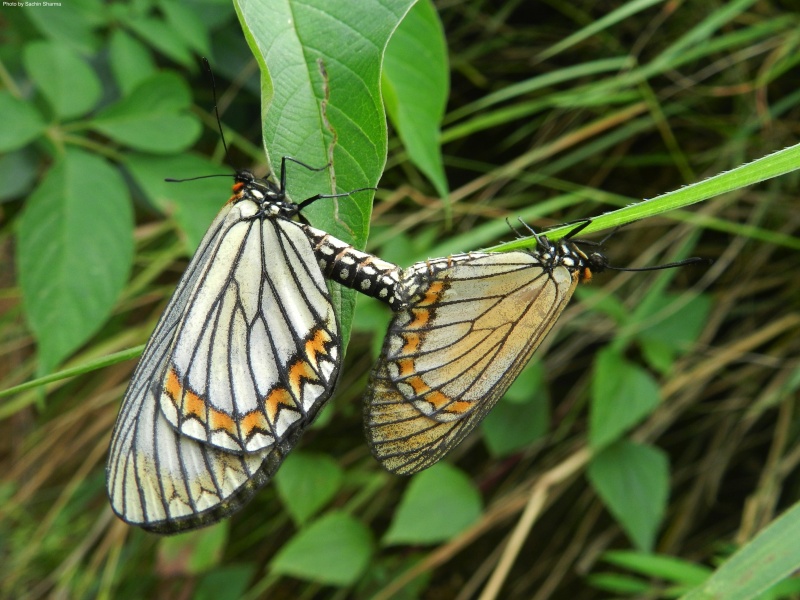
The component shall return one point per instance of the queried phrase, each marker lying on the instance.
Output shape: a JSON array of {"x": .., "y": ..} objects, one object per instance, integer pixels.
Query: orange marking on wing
[
  {"x": 432, "y": 294},
  {"x": 254, "y": 420},
  {"x": 173, "y": 386},
  {"x": 421, "y": 318},
  {"x": 315, "y": 346},
  {"x": 459, "y": 407},
  {"x": 219, "y": 420},
  {"x": 406, "y": 366},
  {"x": 418, "y": 385},
  {"x": 185, "y": 400},
  {"x": 412, "y": 341},
  {"x": 274, "y": 400},
  {"x": 297, "y": 372},
  {"x": 438, "y": 399},
  {"x": 194, "y": 406}
]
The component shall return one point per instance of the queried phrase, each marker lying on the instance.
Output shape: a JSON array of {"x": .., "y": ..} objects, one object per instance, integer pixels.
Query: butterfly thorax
[{"x": 269, "y": 199}]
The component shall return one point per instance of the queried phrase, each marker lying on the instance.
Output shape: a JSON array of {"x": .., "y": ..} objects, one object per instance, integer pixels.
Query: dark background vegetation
[{"x": 727, "y": 419}]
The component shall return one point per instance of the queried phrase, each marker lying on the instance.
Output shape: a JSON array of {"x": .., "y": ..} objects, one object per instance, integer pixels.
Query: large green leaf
[
  {"x": 153, "y": 117},
  {"x": 70, "y": 85},
  {"x": 767, "y": 559},
  {"x": 306, "y": 482},
  {"x": 415, "y": 88},
  {"x": 130, "y": 61},
  {"x": 75, "y": 251},
  {"x": 438, "y": 504},
  {"x": 21, "y": 122},
  {"x": 633, "y": 481},
  {"x": 72, "y": 22},
  {"x": 321, "y": 100},
  {"x": 194, "y": 552},
  {"x": 622, "y": 395},
  {"x": 334, "y": 550}
]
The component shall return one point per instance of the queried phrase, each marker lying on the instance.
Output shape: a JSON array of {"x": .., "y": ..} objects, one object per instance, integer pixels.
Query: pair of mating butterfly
[{"x": 248, "y": 351}]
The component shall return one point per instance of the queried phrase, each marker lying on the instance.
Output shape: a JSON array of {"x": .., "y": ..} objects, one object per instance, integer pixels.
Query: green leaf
[
  {"x": 18, "y": 170},
  {"x": 187, "y": 25},
  {"x": 322, "y": 104},
  {"x": 373, "y": 319},
  {"x": 677, "y": 323},
  {"x": 152, "y": 118},
  {"x": 390, "y": 566},
  {"x": 22, "y": 123},
  {"x": 334, "y": 550},
  {"x": 764, "y": 561},
  {"x": 528, "y": 385},
  {"x": 633, "y": 481},
  {"x": 226, "y": 583},
  {"x": 74, "y": 252},
  {"x": 163, "y": 38},
  {"x": 619, "y": 584},
  {"x": 602, "y": 301},
  {"x": 194, "y": 204},
  {"x": 669, "y": 568},
  {"x": 512, "y": 426},
  {"x": 130, "y": 61},
  {"x": 194, "y": 552},
  {"x": 622, "y": 395},
  {"x": 70, "y": 85},
  {"x": 438, "y": 504},
  {"x": 306, "y": 482},
  {"x": 415, "y": 88},
  {"x": 72, "y": 22}
]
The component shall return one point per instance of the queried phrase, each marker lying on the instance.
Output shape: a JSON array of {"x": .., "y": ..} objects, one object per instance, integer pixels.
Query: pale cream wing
[
  {"x": 257, "y": 351},
  {"x": 471, "y": 327}
]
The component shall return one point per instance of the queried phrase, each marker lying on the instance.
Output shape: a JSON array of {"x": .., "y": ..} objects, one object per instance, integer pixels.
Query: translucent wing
[
  {"x": 242, "y": 359},
  {"x": 471, "y": 324}
]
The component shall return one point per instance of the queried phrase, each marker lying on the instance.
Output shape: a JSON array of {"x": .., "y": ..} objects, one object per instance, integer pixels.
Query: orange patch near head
[
  {"x": 432, "y": 294},
  {"x": 315, "y": 346},
  {"x": 276, "y": 398},
  {"x": 586, "y": 275},
  {"x": 421, "y": 318},
  {"x": 237, "y": 192}
]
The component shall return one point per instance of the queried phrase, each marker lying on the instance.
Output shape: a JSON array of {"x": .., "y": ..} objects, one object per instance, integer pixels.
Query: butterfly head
[
  {"x": 567, "y": 254},
  {"x": 269, "y": 197}
]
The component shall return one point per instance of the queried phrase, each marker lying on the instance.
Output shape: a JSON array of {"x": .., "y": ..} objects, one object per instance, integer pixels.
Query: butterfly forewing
[{"x": 471, "y": 325}]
